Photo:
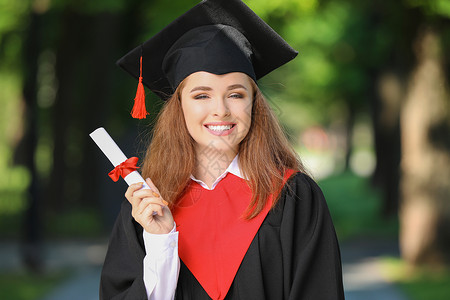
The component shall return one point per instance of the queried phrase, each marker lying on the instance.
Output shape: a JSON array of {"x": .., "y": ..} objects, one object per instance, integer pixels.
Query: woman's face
[{"x": 217, "y": 110}]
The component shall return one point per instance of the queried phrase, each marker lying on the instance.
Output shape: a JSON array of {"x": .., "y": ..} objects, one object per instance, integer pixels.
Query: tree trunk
[
  {"x": 350, "y": 127},
  {"x": 99, "y": 92},
  {"x": 386, "y": 112},
  {"x": 390, "y": 76},
  {"x": 67, "y": 57},
  {"x": 425, "y": 185},
  {"x": 32, "y": 226}
]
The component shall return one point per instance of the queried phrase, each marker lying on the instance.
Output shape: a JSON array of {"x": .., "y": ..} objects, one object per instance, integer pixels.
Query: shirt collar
[{"x": 233, "y": 168}]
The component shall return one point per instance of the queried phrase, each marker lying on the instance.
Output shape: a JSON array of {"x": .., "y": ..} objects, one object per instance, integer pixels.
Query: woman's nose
[{"x": 221, "y": 108}]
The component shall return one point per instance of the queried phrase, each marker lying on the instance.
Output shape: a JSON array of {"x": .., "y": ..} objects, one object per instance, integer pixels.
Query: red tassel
[{"x": 139, "y": 111}]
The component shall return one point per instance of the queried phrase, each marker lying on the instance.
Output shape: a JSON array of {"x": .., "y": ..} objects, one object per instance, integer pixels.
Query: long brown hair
[{"x": 264, "y": 154}]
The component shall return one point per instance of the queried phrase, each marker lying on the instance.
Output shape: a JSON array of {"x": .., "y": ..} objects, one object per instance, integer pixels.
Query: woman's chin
[{"x": 219, "y": 147}]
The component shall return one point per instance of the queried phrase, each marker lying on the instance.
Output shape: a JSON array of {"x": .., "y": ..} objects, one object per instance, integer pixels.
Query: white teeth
[{"x": 219, "y": 127}]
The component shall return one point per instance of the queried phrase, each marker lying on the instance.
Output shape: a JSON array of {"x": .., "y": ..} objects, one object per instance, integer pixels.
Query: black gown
[{"x": 294, "y": 255}]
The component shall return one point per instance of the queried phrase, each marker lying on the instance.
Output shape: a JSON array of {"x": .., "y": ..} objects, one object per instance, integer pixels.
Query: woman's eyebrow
[
  {"x": 236, "y": 86},
  {"x": 207, "y": 88},
  {"x": 201, "y": 88}
]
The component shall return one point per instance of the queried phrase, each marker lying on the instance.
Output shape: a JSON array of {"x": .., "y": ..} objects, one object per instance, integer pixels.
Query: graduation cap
[{"x": 216, "y": 36}]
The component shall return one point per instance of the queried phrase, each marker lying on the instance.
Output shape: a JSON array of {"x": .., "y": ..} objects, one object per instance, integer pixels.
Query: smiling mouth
[{"x": 220, "y": 128}]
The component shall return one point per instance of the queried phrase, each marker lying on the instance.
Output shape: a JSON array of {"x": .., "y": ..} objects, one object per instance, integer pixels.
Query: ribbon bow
[{"x": 124, "y": 169}]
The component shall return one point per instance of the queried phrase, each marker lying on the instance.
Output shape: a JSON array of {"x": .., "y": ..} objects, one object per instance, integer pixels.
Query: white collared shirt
[{"x": 233, "y": 168}]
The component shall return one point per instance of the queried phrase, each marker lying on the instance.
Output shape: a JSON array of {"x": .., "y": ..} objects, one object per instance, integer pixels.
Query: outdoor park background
[{"x": 366, "y": 104}]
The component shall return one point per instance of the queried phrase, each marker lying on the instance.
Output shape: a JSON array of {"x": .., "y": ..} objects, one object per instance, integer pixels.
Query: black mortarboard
[{"x": 216, "y": 36}]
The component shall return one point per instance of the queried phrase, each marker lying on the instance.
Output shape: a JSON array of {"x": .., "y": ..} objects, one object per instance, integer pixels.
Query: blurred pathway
[
  {"x": 86, "y": 260},
  {"x": 363, "y": 278},
  {"x": 363, "y": 281},
  {"x": 83, "y": 259},
  {"x": 82, "y": 286}
]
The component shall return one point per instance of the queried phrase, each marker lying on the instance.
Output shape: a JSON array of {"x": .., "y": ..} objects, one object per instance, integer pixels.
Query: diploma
[{"x": 115, "y": 155}]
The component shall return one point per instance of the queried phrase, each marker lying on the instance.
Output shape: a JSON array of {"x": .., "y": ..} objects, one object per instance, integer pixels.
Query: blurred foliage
[
  {"x": 14, "y": 182},
  {"x": 280, "y": 8},
  {"x": 12, "y": 13},
  {"x": 355, "y": 207},
  {"x": 86, "y": 6},
  {"x": 78, "y": 223},
  {"x": 419, "y": 283},
  {"x": 433, "y": 7},
  {"x": 28, "y": 286}
]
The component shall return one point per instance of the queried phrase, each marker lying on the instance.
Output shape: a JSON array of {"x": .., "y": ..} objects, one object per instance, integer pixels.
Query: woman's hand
[{"x": 149, "y": 209}]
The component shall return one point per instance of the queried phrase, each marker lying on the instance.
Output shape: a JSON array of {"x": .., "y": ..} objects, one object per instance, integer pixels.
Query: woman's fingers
[
  {"x": 146, "y": 193},
  {"x": 153, "y": 202},
  {"x": 155, "y": 189},
  {"x": 131, "y": 190},
  {"x": 152, "y": 185},
  {"x": 143, "y": 210},
  {"x": 151, "y": 209}
]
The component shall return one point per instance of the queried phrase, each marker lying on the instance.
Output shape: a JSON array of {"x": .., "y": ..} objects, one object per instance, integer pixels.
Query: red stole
[{"x": 213, "y": 235}]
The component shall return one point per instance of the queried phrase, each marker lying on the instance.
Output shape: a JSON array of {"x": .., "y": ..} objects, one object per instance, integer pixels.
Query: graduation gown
[{"x": 294, "y": 254}]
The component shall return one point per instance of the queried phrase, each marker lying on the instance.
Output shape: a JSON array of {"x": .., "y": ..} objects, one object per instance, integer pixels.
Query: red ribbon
[{"x": 124, "y": 169}]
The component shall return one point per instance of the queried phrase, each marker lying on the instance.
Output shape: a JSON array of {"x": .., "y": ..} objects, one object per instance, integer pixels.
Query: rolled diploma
[{"x": 114, "y": 154}]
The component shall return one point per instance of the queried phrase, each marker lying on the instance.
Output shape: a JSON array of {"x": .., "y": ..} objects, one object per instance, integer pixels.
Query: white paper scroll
[{"x": 114, "y": 154}]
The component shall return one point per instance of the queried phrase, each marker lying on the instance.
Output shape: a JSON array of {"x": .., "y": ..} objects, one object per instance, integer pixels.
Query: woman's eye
[
  {"x": 201, "y": 96},
  {"x": 236, "y": 95}
]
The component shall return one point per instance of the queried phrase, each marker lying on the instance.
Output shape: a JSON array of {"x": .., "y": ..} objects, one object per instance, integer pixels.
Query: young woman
[{"x": 231, "y": 213}]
